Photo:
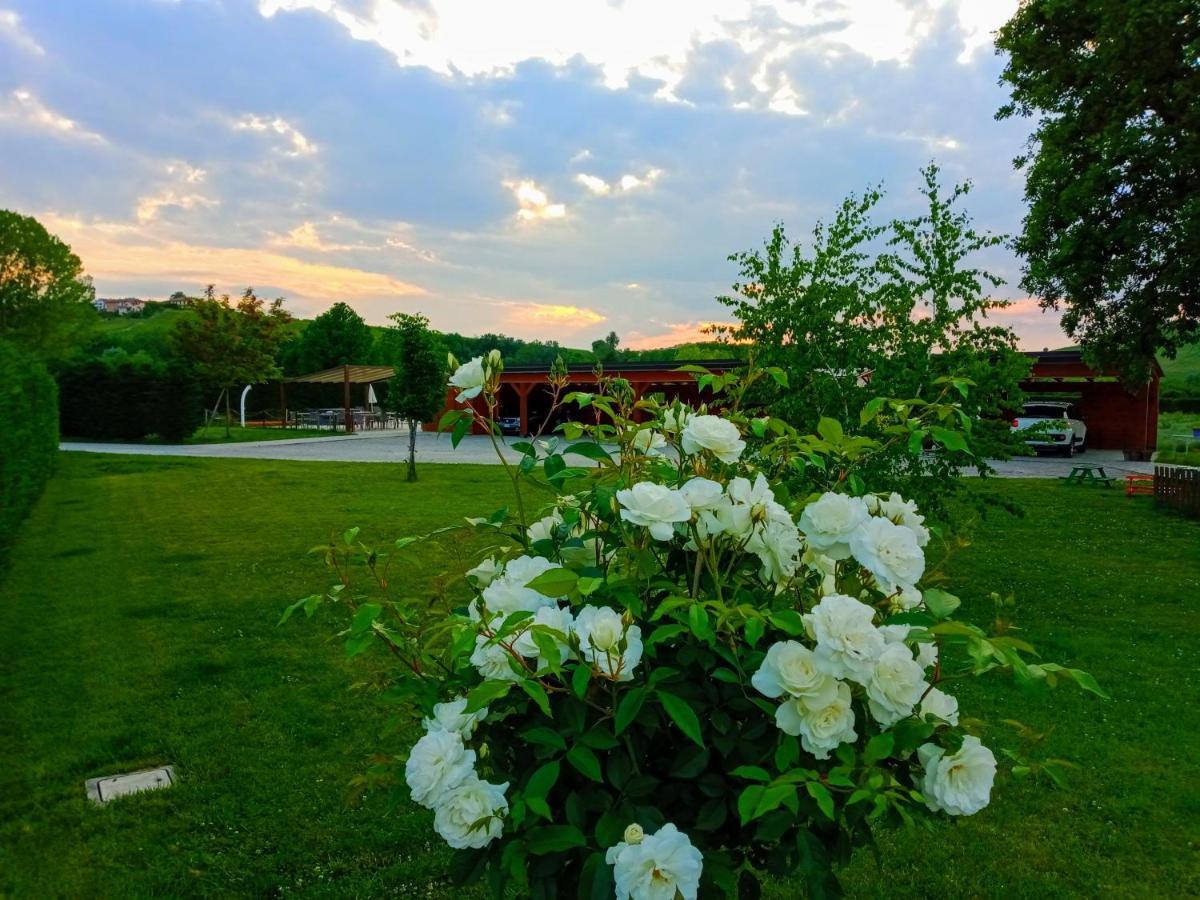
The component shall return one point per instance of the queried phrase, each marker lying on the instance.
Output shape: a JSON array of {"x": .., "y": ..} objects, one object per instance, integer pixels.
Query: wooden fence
[{"x": 1179, "y": 488}]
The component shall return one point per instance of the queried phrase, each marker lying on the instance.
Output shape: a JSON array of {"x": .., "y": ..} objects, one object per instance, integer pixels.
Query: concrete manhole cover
[{"x": 109, "y": 787}]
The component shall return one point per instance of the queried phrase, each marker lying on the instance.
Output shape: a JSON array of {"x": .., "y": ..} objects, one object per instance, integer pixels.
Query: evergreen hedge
[
  {"x": 128, "y": 398},
  {"x": 29, "y": 438}
]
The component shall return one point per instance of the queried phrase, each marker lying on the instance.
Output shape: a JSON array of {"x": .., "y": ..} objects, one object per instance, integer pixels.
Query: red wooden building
[{"x": 1116, "y": 418}]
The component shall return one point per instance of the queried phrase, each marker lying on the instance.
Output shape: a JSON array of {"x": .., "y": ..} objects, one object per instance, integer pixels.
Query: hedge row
[
  {"x": 29, "y": 437},
  {"x": 127, "y": 399},
  {"x": 1179, "y": 404}
]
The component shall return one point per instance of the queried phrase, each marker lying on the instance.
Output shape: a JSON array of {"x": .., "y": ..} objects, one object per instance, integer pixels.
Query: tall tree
[
  {"x": 337, "y": 337},
  {"x": 232, "y": 345},
  {"x": 45, "y": 298},
  {"x": 1112, "y": 169},
  {"x": 417, "y": 391}
]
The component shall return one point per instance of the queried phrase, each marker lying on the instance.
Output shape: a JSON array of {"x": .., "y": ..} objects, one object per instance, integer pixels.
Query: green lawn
[
  {"x": 137, "y": 627},
  {"x": 1173, "y": 443}
]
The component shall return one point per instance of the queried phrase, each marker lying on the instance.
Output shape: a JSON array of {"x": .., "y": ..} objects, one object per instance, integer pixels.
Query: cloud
[
  {"x": 22, "y": 109},
  {"x": 11, "y": 31},
  {"x": 533, "y": 202},
  {"x": 295, "y": 143},
  {"x": 123, "y": 253},
  {"x": 177, "y": 193},
  {"x": 542, "y": 318},
  {"x": 596, "y": 185},
  {"x": 672, "y": 334}
]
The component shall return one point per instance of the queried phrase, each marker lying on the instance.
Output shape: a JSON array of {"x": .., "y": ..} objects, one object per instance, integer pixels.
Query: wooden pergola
[{"x": 347, "y": 375}]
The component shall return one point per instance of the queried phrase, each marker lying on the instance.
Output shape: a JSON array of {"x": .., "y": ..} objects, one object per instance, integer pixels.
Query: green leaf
[
  {"x": 950, "y": 439},
  {"x": 780, "y": 376},
  {"x": 461, "y": 427},
  {"x": 772, "y": 797},
  {"x": 596, "y": 878},
  {"x": 698, "y": 620},
  {"x": 628, "y": 708},
  {"x": 879, "y": 747},
  {"x": 787, "y": 753},
  {"x": 349, "y": 535},
  {"x": 590, "y": 450},
  {"x": 830, "y": 430},
  {"x": 583, "y": 759},
  {"x": 309, "y": 604},
  {"x": 751, "y": 773},
  {"x": 871, "y": 410},
  {"x": 939, "y": 603},
  {"x": 681, "y": 714},
  {"x": 821, "y": 794},
  {"x": 580, "y": 679},
  {"x": 754, "y": 631},
  {"x": 538, "y": 693},
  {"x": 665, "y": 632},
  {"x": 557, "y": 582},
  {"x": 483, "y": 694},
  {"x": 543, "y": 780},
  {"x": 547, "y": 737},
  {"x": 788, "y": 621},
  {"x": 554, "y": 839},
  {"x": 364, "y": 616},
  {"x": 748, "y": 802}
]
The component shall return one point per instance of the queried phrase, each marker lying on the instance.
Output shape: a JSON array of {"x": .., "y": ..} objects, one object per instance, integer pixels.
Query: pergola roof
[{"x": 338, "y": 375}]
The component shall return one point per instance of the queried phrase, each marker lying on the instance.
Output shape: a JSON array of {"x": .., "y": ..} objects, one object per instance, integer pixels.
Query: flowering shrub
[{"x": 712, "y": 659}]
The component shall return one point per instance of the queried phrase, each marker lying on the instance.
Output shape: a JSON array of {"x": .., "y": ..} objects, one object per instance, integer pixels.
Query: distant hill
[{"x": 1181, "y": 375}]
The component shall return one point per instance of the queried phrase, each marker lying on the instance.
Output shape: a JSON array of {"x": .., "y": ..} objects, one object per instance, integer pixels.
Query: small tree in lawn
[
  {"x": 418, "y": 389},
  {"x": 232, "y": 345}
]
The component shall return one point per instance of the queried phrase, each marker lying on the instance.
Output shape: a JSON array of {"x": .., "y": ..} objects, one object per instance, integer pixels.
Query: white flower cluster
[
  {"x": 659, "y": 866},
  {"x": 598, "y": 634},
  {"x": 743, "y": 514},
  {"x": 467, "y": 811}
]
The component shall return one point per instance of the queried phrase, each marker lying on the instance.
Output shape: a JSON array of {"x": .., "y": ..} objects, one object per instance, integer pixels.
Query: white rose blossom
[
  {"x": 791, "y": 668},
  {"x": 654, "y": 506},
  {"x": 452, "y": 716},
  {"x": 940, "y": 705},
  {"x": 601, "y": 630},
  {"x": 469, "y": 378},
  {"x": 543, "y": 528},
  {"x": 491, "y": 660},
  {"x": 959, "y": 784},
  {"x": 702, "y": 493},
  {"x": 556, "y": 617},
  {"x": 486, "y": 572},
  {"x": 829, "y": 521},
  {"x": 438, "y": 762},
  {"x": 719, "y": 436},
  {"x": 663, "y": 866},
  {"x": 778, "y": 547},
  {"x": 456, "y": 818},
  {"x": 847, "y": 640},
  {"x": 674, "y": 420},
  {"x": 821, "y": 729},
  {"x": 896, "y": 685},
  {"x": 904, "y": 512},
  {"x": 927, "y": 654},
  {"x": 889, "y": 552},
  {"x": 648, "y": 442},
  {"x": 508, "y": 593}
]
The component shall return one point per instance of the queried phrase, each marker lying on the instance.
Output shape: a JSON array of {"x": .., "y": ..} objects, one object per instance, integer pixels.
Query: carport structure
[
  {"x": 1116, "y": 417},
  {"x": 525, "y": 391},
  {"x": 347, "y": 376}
]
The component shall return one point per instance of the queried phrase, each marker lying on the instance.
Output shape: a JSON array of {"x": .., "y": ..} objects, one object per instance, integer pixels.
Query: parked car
[
  {"x": 509, "y": 424},
  {"x": 1053, "y": 425}
]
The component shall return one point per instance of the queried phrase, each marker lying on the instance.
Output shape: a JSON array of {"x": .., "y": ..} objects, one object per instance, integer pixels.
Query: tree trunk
[
  {"x": 412, "y": 450},
  {"x": 227, "y": 413}
]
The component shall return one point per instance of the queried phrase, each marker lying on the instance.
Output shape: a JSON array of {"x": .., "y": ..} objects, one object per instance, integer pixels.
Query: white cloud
[
  {"x": 594, "y": 184},
  {"x": 634, "y": 182},
  {"x": 534, "y": 203},
  {"x": 648, "y": 38},
  {"x": 179, "y": 192},
  {"x": 11, "y": 31},
  {"x": 22, "y": 109},
  {"x": 296, "y": 144}
]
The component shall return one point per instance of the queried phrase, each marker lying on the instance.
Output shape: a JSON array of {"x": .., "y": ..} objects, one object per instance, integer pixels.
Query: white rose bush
[{"x": 719, "y": 658}]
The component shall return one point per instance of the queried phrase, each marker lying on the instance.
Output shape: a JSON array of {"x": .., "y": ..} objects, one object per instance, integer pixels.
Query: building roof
[
  {"x": 337, "y": 375},
  {"x": 618, "y": 367}
]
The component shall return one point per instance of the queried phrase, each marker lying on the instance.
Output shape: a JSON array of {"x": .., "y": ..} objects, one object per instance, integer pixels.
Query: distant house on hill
[
  {"x": 179, "y": 298},
  {"x": 120, "y": 306}
]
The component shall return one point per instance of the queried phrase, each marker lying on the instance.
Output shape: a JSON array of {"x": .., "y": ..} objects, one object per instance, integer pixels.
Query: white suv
[{"x": 1054, "y": 427}]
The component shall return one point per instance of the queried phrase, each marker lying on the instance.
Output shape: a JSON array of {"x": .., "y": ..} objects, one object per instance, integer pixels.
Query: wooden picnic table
[{"x": 1086, "y": 473}]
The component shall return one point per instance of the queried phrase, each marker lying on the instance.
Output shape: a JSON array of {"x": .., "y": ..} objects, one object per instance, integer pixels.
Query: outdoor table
[{"x": 1088, "y": 474}]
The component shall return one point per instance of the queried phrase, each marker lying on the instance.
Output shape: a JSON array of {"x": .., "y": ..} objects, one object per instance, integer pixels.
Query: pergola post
[
  {"x": 523, "y": 396},
  {"x": 283, "y": 404},
  {"x": 346, "y": 399}
]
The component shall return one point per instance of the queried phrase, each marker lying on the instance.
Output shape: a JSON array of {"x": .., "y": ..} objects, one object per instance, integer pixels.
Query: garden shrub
[
  {"x": 29, "y": 438},
  {"x": 123, "y": 397},
  {"x": 715, "y": 656}
]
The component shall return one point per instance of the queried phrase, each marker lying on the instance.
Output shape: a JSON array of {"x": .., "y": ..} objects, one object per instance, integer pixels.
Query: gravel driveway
[{"x": 392, "y": 446}]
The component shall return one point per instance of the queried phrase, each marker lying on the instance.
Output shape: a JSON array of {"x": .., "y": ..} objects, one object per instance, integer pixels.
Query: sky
[{"x": 551, "y": 169}]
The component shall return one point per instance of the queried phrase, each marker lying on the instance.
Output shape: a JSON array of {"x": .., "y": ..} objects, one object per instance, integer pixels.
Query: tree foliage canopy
[
  {"x": 45, "y": 298},
  {"x": 337, "y": 337},
  {"x": 232, "y": 344},
  {"x": 1112, "y": 235}
]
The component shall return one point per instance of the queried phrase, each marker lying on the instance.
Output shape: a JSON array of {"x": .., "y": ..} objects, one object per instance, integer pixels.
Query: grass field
[
  {"x": 137, "y": 627},
  {"x": 1173, "y": 443}
]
